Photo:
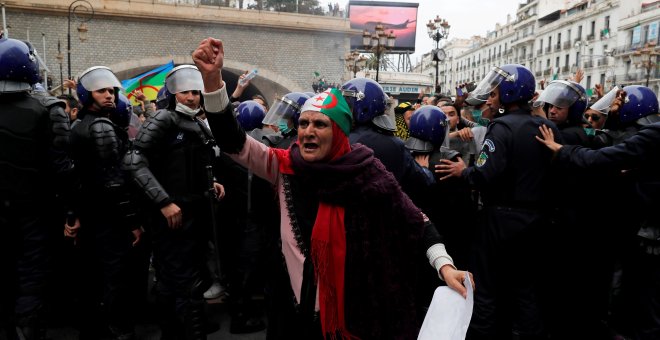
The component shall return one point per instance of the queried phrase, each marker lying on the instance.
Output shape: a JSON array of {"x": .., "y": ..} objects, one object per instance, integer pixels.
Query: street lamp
[
  {"x": 60, "y": 60},
  {"x": 438, "y": 29},
  {"x": 378, "y": 42},
  {"x": 646, "y": 58},
  {"x": 355, "y": 62},
  {"x": 78, "y": 5}
]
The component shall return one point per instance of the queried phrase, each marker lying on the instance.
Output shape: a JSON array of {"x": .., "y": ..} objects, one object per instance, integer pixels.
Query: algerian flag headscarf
[{"x": 332, "y": 104}]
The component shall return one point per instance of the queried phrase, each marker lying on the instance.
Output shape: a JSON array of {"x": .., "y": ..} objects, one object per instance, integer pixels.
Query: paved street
[{"x": 149, "y": 331}]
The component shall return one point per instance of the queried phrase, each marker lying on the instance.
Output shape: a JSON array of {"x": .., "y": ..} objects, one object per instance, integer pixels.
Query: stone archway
[{"x": 269, "y": 84}]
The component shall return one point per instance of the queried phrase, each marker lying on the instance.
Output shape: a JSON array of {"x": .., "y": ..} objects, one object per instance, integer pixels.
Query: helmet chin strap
[{"x": 98, "y": 108}]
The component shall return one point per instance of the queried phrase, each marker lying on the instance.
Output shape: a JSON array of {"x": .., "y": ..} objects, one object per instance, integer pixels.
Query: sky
[{"x": 466, "y": 17}]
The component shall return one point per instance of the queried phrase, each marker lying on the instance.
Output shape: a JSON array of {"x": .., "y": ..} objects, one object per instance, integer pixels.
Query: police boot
[
  {"x": 31, "y": 328},
  {"x": 242, "y": 310},
  {"x": 119, "y": 334},
  {"x": 194, "y": 320},
  {"x": 171, "y": 328},
  {"x": 194, "y": 316}
]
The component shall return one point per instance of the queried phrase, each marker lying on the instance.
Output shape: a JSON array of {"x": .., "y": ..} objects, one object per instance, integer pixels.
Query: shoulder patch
[
  {"x": 483, "y": 157},
  {"x": 490, "y": 144}
]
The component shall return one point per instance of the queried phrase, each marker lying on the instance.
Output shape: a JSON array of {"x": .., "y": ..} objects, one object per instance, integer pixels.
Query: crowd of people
[{"x": 343, "y": 208}]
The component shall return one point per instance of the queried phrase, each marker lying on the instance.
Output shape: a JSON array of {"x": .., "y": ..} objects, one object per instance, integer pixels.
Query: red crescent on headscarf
[{"x": 330, "y": 105}]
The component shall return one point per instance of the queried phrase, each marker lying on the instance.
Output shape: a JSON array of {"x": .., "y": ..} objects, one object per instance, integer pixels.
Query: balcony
[
  {"x": 603, "y": 61},
  {"x": 539, "y": 51},
  {"x": 588, "y": 64},
  {"x": 591, "y": 37},
  {"x": 499, "y": 54},
  {"x": 548, "y": 49},
  {"x": 538, "y": 73},
  {"x": 567, "y": 45},
  {"x": 565, "y": 69},
  {"x": 529, "y": 57},
  {"x": 557, "y": 47}
]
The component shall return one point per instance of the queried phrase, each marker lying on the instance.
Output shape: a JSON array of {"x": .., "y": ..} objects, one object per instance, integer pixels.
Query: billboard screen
[{"x": 397, "y": 17}]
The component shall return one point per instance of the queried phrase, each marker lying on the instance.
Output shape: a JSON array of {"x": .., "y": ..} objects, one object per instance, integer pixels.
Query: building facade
[{"x": 555, "y": 38}]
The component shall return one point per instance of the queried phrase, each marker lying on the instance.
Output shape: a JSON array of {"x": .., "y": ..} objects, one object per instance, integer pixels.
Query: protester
[{"x": 325, "y": 185}]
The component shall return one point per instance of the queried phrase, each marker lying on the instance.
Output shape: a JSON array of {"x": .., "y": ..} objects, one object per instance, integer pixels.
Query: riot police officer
[
  {"x": 375, "y": 129},
  {"x": 172, "y": 164},
  {"x": 108, "y": 217},
  {"x": 284, "y": 114},
  {"x": 512, "y": 175},
  {"x": 638, "y": 156},
  {"x": 34, "y": 168},
  {"x": 249, "y": 213},
  {"x": 566, "y": 102}
]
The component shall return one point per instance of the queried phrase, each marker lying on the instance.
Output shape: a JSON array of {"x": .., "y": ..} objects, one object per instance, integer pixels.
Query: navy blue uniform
[
  {"x": 34, "y": 167},
  {"x": 511, "y": 171},
  {"x": 393, "y": 154},
  {"x": 640, "y": 155}
]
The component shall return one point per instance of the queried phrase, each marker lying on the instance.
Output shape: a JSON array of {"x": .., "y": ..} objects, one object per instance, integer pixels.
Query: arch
[{"x": 269, "y": 84}]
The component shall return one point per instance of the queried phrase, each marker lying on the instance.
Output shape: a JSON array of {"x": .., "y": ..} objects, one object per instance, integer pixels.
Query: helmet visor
[
  {"x": 489, "y": 83},
  {"x": 184, "y": 79},
  {"x": 385, "y": 122},
  {"x": 559, "y": 93},
  {"x": 418, "y": 145},
  {"x": 283, "y": 108},
  {"x": 99, "y": 78},
  {"x": 603, "y": 104}
]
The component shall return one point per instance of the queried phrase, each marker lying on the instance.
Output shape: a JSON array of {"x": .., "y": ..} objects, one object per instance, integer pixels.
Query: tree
[{"x": 301, "y": 6}]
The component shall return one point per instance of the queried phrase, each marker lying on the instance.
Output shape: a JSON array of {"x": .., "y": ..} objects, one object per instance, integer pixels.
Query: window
[
  {"x": 579, "y": 33},
  {"x": 557, "y": 62},
  {"x": 547, "y": 63},
  {"x": 588, "y": 82},
  {"x": 602, "y": 79},
  {"x": 607, "y": 21},
  {"x": 593, "y": 28},
  {"x": 566, "y": 60},
  {"x": 568, "y": 35},
  {"x": 541, "y": 44},
  {"x": 558, "y": 39}
]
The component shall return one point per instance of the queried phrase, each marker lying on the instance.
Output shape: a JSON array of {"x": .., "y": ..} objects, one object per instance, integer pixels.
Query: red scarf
[{"x": 328, "y": 248}]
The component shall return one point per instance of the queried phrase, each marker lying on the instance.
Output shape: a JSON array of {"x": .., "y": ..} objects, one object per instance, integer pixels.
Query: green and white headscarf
[{"x": 332, "y": 104}]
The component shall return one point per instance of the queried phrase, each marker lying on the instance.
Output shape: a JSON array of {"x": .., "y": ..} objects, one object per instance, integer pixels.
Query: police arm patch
[
  {"x": 491, "y": 146},
  {"x": 483, "y": 157}
]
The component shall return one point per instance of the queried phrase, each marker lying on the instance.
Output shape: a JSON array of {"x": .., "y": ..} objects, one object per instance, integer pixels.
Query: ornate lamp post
[
  {"x": 437, "y": 29},
  {"x": 646, "y": 58},
  {"x": 80, "y": 6},
  {"x": 355, "y": 62},
  {"x": 378, "y": 43},
  {"x": 60, "y": 60}
]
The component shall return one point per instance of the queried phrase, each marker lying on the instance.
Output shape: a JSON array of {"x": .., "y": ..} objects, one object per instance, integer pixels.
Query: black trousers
[
  {"x": 25, "y": 245},
  {"x": 180, "y": 254},
  {"x": 108, "y": 257},
  {"x": 505, "y": 264}
]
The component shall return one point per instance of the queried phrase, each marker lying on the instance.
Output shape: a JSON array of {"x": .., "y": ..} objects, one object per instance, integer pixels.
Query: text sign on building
[{"x": 396, "y": 89}]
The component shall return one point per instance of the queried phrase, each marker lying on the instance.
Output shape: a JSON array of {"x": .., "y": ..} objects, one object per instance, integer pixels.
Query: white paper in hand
[{"x": 449, "y": 314}]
